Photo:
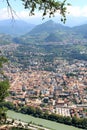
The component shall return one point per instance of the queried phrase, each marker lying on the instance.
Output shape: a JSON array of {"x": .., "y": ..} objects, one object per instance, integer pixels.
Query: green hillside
[
  {"x": 5, "y": 39},
  {"x": 46, "y": 33},
  {"x": 49, "y": 27},
  {"x": 82, "y": 30},
  {"x": 50, "y": 31}
]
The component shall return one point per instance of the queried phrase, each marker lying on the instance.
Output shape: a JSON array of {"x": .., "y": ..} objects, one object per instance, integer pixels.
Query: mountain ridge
[
  {"x": 15, "y": 27},
  {"x": 53, "y": 32},
  {"x": 48, "y": 26},
  {"x": 43, "y": 33}
]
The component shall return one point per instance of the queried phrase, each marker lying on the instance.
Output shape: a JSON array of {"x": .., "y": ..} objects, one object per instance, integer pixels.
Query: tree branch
[{"x": 47, "y": 6}]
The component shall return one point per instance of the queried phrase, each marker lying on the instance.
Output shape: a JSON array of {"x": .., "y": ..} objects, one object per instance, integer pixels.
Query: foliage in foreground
[
  {"x": 4, "y": 86},
  {"x": 49, "y": 7}
]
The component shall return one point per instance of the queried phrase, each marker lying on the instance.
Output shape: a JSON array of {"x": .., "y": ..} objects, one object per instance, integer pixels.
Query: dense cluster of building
[{"x": 62, "y": 92}]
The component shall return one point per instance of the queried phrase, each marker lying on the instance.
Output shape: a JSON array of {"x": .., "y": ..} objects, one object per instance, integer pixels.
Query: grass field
[{"x": 46, "y": 123}]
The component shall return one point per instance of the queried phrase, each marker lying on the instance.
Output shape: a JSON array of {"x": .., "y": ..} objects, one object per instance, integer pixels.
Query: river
[{"x": 46, "y": 123}]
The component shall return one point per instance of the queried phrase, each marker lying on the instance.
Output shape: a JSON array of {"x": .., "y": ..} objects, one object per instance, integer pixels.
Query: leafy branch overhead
[{"x": 48, "y": 7}]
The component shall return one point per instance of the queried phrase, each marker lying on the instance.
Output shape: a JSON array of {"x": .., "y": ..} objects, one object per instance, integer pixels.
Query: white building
[{"x": 64, "y": 111}]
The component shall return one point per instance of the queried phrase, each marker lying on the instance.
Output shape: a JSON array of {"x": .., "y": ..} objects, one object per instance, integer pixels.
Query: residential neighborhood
[{"x": 62, "y": 92}]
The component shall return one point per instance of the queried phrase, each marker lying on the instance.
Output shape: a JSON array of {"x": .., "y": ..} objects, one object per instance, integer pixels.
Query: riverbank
[
  {"x": 12, "y": 124},
  {"x": 38, "y": 121}
]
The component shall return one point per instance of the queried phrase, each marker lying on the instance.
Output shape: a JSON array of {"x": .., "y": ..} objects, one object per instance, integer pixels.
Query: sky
[{"x": 77, "y": 13}]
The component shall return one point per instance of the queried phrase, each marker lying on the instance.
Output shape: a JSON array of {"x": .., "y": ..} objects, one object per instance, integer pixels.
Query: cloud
[
  {"x": 4, "y": 14},
  {"x": 77, "y": 11},
  {"x": 25, "y": 14},
  {"x": 21, "y": 15}
]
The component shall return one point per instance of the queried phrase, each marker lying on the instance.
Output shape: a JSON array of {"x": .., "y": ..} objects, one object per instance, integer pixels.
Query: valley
[{"x": 47, "y": 71}]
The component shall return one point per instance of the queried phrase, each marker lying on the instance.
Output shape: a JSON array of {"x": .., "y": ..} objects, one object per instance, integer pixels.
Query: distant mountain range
[
  {"x": 15, "y": 27},
  {"x": 54, "y": 32},
  {"x": 48, "y": 32}
]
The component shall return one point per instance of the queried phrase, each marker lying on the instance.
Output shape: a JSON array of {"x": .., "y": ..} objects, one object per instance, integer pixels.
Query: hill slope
[
  {"x": 16, "y": 27},
  {"x": 49, "y": 26},
  {"x": 5, "y": 39},
  {"x": 82, "y": 30},
  {"x": 51, "y": 32}
]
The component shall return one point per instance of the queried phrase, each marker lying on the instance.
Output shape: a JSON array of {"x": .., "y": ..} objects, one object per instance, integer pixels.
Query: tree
[
  {"x": 4, "y": 86},
  {"x": 84, "y": 123},
  {"x": 2, "y": 61},
  {"x": 46, "y": 6},
  {"x": 4, "y": 83},
  {"x": 2, "y": 115}
]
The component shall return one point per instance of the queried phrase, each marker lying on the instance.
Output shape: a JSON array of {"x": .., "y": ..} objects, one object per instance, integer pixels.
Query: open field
[{"x": 46, "y": 123}]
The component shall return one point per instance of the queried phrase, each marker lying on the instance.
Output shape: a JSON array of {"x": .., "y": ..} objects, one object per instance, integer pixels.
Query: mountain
[
  {"x": 16, "y": 27},
  {"x": 46, "y": 32},
  {"x": 5, "y": 39},
  {"x": 49, "y": 27},
  {"x": 51, "y": 32},
  {"x": 82, "y": 30},
  {"x": 52, "y": 38}
]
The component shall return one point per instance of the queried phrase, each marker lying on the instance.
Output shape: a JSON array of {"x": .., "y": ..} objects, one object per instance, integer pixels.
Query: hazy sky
[{"x": 77, "y": 15}]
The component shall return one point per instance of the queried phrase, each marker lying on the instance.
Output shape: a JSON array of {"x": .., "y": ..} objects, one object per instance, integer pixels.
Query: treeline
[
  {"x": 37, "y": 112},
  {"x": 16, "y": 128},
  {"x": 77, "y": 55}
]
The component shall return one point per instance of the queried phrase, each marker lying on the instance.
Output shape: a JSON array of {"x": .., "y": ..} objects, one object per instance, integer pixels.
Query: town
[{"x": 63, "y": 91}]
